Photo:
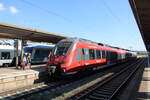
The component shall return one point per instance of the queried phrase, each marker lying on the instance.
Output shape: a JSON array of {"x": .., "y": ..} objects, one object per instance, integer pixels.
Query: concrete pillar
[
  {"x": 16, "y": 46},
  {"x": 148, "y": 59},
  {"x": 22, "y": 51}
]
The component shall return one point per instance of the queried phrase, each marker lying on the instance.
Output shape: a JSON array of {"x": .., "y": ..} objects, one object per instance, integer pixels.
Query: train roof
[
  {"x": 75, "y": 39},
  {"x": 7, "y": 47},
  {"x": 88, "y": 41},
  {"x": 40, "y": 46}
]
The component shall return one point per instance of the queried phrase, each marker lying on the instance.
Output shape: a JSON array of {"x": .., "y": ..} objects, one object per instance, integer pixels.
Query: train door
[
  {"x": 78, "y": 58},
  {"x": 82, "y": 54},
  {"x": 85, "y": 57}
]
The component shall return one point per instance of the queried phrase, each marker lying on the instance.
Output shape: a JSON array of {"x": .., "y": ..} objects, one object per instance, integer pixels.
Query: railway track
[
  {"x": 41, "y": 88},
  {"x": 37, "y": 89},
  {"x": 108, "y": 89}
]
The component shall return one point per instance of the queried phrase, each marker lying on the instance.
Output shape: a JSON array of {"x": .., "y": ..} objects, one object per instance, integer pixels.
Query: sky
[{"x": 105, "y": 21}]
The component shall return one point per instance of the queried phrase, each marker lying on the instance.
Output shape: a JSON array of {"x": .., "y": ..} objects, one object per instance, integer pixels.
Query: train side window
[
  {"x": 103, "y": 54},
  {"x": 95, "y": 54},
  {"x": 78, "y": 55},
  {"x": 91, "y": 54},
  {"x": 86, "y": 52},
  {"x": 5, "y": 55},
  {"x": 119, "y": 57},
  {"x": 83, "y": 53},
  {"x": 114, "y": 55},
  {"x": 111, "y": 55},
  {"x": 98, "y": 52},
  {"x": 37, "y": 53},
  {"x": 108, "y": 55},
  {"x": 122, "y": 56}
]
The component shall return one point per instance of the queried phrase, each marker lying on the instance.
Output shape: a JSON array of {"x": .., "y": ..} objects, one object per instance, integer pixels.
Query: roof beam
[{"x": 12, "y": 31}]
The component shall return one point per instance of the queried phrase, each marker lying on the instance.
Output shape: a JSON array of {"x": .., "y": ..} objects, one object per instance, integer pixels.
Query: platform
[
  {"x": 12, "y": 78},
  {"x": 144, "y": 88},
  {"x": 139, "y": 88}
]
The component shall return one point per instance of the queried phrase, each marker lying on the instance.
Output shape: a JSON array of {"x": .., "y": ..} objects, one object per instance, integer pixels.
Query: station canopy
[
  {"x": 11, "y": 31},
  {"x": 141, "y": 10}
]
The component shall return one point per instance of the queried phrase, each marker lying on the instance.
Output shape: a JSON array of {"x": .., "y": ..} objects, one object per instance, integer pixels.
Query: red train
[{"x": 75, "y": 54}]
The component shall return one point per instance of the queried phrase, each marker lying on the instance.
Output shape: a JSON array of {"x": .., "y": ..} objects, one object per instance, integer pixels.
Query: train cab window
[
  {"x": 91, "y": 54},
  {"x": 62, "y": 48},
  {"x": 78, "y": 55},
  {"x": 98, "y": 53},
  {"x": 5, "y": 55}
]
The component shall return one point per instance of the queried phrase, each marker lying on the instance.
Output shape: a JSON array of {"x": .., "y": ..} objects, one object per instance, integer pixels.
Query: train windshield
[{"x": 62, "y": 48}]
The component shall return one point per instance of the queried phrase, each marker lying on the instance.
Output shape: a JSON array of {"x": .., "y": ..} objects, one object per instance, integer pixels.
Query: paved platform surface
[
  {"x": 12, "y": 78},
  {"x": 144, "y": 88},
  {"x": 9, "y": 71},
  {"x": 140, "y": 89}
]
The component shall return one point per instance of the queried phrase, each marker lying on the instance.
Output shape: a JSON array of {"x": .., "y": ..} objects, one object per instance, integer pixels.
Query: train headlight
[{"x": 64, "y": 70}]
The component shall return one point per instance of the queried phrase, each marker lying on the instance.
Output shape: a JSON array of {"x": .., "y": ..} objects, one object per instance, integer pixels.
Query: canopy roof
[
  {"x": 141, "y": 10},
  {"x": 12, "y": 31}
]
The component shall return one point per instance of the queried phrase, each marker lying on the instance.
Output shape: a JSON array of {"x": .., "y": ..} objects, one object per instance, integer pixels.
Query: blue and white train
[
  {"x": 39, "y": 53},
  {"x": 7, "y": 55}
]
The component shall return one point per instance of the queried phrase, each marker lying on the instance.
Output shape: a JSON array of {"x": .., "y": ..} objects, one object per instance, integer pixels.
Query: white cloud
[
  {"x": 2, "y": 7},
  {"x": 13, "y": 10}
]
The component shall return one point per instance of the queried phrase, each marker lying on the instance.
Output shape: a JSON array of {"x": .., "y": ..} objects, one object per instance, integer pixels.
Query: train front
[{"x": 59, "y": 58}]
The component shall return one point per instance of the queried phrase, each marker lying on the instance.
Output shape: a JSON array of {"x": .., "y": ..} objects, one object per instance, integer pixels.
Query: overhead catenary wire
[
  {"x": 50, "y": 12},
  {"x": 112, "y": 13},
  {"x": 123, "y": 24},
  {"x": 46, "y": 10}
]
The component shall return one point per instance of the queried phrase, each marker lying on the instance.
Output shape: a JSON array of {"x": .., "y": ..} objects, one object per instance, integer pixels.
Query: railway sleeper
[
  {"x": 101, "y": 92},
  {"x": 110, "y": 87},
  {"x": 92, "y": 97},
  {"x": 100, "y": 95},
  {"x": 107, "y": 89}
]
